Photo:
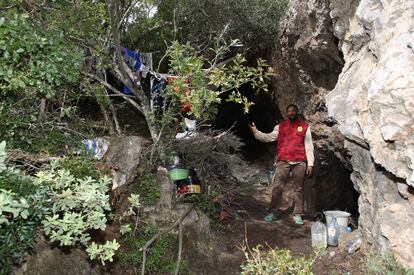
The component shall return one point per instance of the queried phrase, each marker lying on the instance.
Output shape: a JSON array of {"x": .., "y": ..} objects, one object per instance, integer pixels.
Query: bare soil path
[{"x": 283, "y": 233}]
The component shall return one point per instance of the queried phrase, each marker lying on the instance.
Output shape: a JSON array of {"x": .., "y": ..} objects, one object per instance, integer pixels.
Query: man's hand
[
  {"x": 252, "y": 128},
  {"x": 309, "y": 171}
]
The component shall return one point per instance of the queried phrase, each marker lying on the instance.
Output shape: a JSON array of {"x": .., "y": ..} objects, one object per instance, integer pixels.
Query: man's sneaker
[
  {"x": 298, "y": 219},
  {"x": 269, "y": 218}
]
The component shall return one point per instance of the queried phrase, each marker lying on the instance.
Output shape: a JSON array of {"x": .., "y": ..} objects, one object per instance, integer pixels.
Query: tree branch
[
  {"x": 159, "y": 234},
  {"x": 115, "y": 90},
  {"x": 127, "y": 12},
  {"x": 180, "y": 248}
]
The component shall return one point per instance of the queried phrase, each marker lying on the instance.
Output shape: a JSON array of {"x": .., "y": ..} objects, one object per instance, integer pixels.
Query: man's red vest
[{"x": 291, "y": 140}]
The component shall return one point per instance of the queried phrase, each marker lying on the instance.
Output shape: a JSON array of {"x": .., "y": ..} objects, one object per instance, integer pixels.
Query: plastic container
[
  {"x": 355, "y": 245},
  {"x": 194, "y": 185},
  {"x": 177, "y": 173},
  {"x": 319, "y": 235},
  {"x": 333, "y": 232},
  {"x": 342, "y": 217}
]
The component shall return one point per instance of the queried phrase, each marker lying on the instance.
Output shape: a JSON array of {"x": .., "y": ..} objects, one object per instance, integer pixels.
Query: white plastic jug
[
  {"x": 319, "y": 234},
  {"x": 333, "y": 232}
]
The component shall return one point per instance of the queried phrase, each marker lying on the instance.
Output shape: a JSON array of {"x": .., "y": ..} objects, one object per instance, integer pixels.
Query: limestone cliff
[
  {"x": 349, "y": 64},
  {"x": 373, "y": 103}
]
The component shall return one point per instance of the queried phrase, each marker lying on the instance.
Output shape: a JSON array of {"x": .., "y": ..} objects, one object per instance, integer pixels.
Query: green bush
[
  {"x": 146, "y": 188},
  {"x": 79, "y": 206},
  {"x": 22, "y": 207},
  {"x": 67, "y": 206},
  {"x": 278, "y": 261},
  {"x": 80, "y": 166},
  {"x": 34, "y": 59},
  {"x": 36, "y": 62}
]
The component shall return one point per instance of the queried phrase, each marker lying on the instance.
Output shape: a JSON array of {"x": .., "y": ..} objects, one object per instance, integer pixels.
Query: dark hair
[{"x": 294, "y": 106}]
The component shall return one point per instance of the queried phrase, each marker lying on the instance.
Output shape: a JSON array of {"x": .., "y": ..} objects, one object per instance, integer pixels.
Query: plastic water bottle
[
  {"x": 333, "y": 232},
  {"x": 355, "y": 245},
  {"x": 319, "y": 236}
]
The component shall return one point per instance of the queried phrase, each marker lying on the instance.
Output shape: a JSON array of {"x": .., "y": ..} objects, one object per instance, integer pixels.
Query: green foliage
[
  {"x": 160, "y": 258},
  {"x": 104, "y": 252},
  {"x": 12, "y": 207},
  {"x": 206, "y": 205},
  {"x": 125, "y": 228},
  {"x": 80, "y": 166},
  {"x": 79, "y": 206},
  {"x": 34, "y": 59},
  {"x": 22, "y": 206},
  {"x": 201, "y": 88},
  {"x": 385, "y": 264},
  {"x": 197, "y": 21},
  {"x": 145, "y": 186},
  {"x": 249, "y": 20},
  {"x": 134, "y": 200},
  {"x": 22, "y": 128},
  {"x": 275, "y": 261},
  {"x": 37, "y": 61}
]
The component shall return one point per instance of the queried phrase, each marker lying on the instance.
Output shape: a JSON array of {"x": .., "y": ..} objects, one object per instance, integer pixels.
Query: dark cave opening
[{"x": 329, "y": 189}]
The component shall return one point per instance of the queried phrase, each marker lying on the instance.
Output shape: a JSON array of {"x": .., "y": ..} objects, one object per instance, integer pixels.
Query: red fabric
[{"x": 291, "y": 140}]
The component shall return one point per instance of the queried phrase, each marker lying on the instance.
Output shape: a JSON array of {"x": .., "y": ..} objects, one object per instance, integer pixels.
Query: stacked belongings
[
  {"x": 191, "y": 185},
  {"x": 185, "y": 180}
]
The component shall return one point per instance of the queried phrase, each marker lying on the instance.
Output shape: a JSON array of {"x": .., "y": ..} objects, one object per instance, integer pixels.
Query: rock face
[
  {"x": 123, "y": 157},
  {"x": 349, "y": 65},
  {"x": 307, "y": 62},
  {"x": 373, "y": 103},
  {"x": 57, "y": 261},
  {"x": 196, "y": 225}
]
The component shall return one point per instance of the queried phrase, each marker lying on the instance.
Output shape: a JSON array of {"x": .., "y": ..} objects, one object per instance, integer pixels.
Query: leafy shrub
[
  {"x": 149, "y": 194},
  {"x": 79, "y": 205},
  {"x": 19, "y": 119},
  {"x": 22, "y": 206},
  {"x": 385, "y": 264},
  {"x": 34, "y": 58},
  {"x": 275, "y": 261},
  {"x": 80, "y": 166}
]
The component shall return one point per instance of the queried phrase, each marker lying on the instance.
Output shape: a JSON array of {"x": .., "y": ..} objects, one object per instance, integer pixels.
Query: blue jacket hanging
[{"x": 133, "y": 60}]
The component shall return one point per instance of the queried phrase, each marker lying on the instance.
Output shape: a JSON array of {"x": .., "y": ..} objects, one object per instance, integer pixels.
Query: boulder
[{"x": 123, "y": 157}]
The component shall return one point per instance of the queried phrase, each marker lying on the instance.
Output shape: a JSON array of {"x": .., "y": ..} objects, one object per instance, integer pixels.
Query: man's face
[{"x": 292, "y": 114}]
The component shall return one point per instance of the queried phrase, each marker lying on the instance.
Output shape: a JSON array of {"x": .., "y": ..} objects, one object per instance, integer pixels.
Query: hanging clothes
[
  {"x": 158, "y": 91},
  {"x": 133, "y": 60}
]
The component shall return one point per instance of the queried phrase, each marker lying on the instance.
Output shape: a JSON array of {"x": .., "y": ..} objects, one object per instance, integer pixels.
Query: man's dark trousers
[{"x": 283, "y": 168}]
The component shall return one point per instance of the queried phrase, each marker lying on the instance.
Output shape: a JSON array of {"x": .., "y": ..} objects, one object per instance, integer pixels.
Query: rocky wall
[
  {"x": 373, "y": 103},
  {"x": 308, "y": 62}
]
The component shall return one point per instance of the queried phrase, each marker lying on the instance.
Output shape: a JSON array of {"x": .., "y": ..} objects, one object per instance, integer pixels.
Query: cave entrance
[{"x": 329, "y": 189}]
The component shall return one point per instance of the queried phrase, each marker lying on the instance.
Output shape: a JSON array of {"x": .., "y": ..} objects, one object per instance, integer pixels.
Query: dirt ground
[{"x": 283, "y": 233}]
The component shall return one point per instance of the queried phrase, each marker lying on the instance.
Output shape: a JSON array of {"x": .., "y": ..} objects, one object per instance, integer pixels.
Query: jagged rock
[
  {"x": 58, "y": 261},
  {"x": 123, "y": 157},
  {"x": 196, "y": 225},
  {"x": 167, "y": 211},
  {"x": 246, "y": 173},
  {"x": 373, "y": 103},
  {"x": 307, "y": 66}
]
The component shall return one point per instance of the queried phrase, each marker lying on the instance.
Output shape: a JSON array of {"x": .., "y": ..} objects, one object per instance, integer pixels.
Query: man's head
[{"x": 292, "y": 112}]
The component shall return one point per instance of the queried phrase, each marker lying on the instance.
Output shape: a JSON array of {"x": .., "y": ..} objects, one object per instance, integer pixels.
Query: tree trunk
[{"x": 107, "y": 118}]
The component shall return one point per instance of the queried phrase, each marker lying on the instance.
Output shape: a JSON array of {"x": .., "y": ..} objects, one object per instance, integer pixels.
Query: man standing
[{"x": 294, "y": 154}]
